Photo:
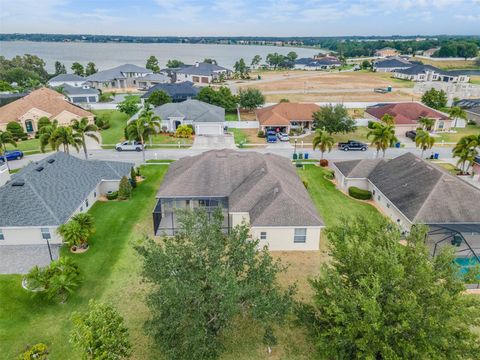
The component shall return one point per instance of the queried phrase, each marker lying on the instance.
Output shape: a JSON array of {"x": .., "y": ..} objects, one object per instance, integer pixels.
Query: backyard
[
  {"x": 110, "y": 273},
  {"x": 454, "y": 137}
]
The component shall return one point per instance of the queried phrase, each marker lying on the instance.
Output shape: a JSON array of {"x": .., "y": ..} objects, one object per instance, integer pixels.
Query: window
[
  {"x": 81, "y": 208},
  {"x": 388, "y": 206},
  {"x": 373, "y": 192},
  {"x": 263, "y": 235},
  {"x": 46, "y": 234},
  {"x": 2, "y": 237},
  {"x": 86, "y": 203},
  {"x": 378, "y": 197},
  {"x": 94, "y": 194},
  {"x": 300, "y": 235}
]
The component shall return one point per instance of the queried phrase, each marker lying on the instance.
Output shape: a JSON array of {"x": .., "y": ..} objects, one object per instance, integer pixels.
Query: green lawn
[
  {"x": 231, "y": 116},
  {"x": 239, "y": 135},
  {"x": 30, "y": 146},
  {"x": 360, "y": 134},
  {"x": 454, "y": 137},
  {"x": 331, "y": 203},
  {"x": 109, "y": 272}
]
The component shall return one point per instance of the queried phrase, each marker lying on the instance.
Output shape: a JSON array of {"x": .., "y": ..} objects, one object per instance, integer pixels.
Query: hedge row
[{"x": 358, "y": 193}]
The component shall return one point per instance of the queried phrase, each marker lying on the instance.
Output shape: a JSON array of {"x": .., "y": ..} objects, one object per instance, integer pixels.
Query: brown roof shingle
[
  {"x": 405, "y": 113},
  {"x": 282, "y": 113},
  {"x": 44, "y": 99}
]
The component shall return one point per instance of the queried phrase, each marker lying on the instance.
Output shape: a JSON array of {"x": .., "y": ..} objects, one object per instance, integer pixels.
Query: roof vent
[
  {"x": 18, "y": 183},
  {"x": 276, "y": 190},
  {"x": 40, "y": 168},
  {"x": 51, "y": 161}
]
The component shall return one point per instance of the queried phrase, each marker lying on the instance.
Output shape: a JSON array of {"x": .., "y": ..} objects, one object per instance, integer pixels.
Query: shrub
[
  {"x": 183, "y": 131},
  {"x": 324, "y": 163},
  {"x": 261, "y": 134},
  {"x": 102, "y": 123},
  {"x": 358, "y": 193},
  {"x": 36, "y": 352},
  {"x": 124, "y": 189},
  {"x": 43, "y": 121},
  {"x": 112, "y": 196},
  {"x": 305, "y": 183},
  {"x": 17, "y": 131},
  {"x": 329, "y": 175},
  {"x": 133, "y": 178}
]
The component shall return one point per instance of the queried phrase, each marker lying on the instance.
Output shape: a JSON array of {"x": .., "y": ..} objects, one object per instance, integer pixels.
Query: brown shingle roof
[
  {"x": 405, "y": 113},
  {"x": 44, "y": 99},
  {"x": 283, "y": 113}
]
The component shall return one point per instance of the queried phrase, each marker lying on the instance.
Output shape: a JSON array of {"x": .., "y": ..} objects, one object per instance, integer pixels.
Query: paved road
[{"x": 175, "y": 154}]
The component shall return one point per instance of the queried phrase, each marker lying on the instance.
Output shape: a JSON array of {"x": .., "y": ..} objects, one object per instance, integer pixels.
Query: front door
[
  {"x": 177, "y": 124},
  {"x": 29, "y": 126}
]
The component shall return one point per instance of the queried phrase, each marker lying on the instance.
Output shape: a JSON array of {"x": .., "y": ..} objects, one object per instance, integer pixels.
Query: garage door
[{"x": 209, "y": 129}]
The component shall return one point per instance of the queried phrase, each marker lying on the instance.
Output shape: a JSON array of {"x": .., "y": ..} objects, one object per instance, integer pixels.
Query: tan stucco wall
[
  {"x": 281, "y": 238},
  {"x": 28, "y": 236}
]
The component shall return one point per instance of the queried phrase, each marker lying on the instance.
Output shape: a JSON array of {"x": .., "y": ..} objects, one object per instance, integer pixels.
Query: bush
[
  {"x": 329, "y": 175},
  {"x": 112, "y": 196},
  {"x": 124, "y": 189},
  {"x": 102, "y": 123},
  {"x": 17, "y": 131},
  {"x": 133, "y": 178},
  {"x": 305, "y": 183},
  {"x": 358, "y": 193},
  {"x": 323, "y": 163},
  {"x": 36, "y": 352},
  {"x": 184, "y": 131},
  {"x": 261, "y": 134}
]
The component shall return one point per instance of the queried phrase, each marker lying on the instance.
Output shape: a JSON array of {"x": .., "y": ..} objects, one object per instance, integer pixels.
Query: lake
[{"x": 108, "y": 55}]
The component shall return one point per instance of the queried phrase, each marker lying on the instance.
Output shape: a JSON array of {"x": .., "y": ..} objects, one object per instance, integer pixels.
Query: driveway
[{"x": 207, "y": 142}]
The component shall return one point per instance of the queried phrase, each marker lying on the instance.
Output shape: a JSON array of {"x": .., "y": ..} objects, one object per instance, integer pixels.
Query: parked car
[
  {"x": 11, "y": 155},
  {"x": 283, "y": 136},
  {"x": 129, "y": 146},
  {"x": 271, "y": 136},
  {"x": 352, "y": 145},
  {"x": 412, "y": 134}
]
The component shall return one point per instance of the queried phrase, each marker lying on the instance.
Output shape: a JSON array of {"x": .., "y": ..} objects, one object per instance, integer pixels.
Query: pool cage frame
[{"x": 456, "y": 235}]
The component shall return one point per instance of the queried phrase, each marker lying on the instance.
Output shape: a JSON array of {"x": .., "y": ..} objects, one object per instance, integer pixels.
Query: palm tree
[
  {"x": 66, "y": 137},
  {"x": 456, "y": 113},
  {"x": 85, "y": 220},
  {"x": 466, "y": 150},
  {"x": 61, "y": 285},
  {"x": 426, "y": 123},
  {"x": 6, "y": 138},
  {"x": 383, "y": 136},
  {"x": 323, "y": 141},
  {"x": 424, "y": 140},
  {"x": 83, "y": 128},
  {"x": 141, "y": 128},
  {"x": 46, "y": 133},
  {"x": 73, "y": 234},
  {"x": 388, "y": 119}
]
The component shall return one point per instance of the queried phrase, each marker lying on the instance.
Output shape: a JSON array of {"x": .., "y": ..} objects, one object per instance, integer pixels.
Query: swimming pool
[{"x": 465, "y": 263}]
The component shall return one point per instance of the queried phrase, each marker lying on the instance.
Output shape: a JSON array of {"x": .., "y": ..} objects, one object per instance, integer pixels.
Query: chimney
[{"x": 4, "y": 174}]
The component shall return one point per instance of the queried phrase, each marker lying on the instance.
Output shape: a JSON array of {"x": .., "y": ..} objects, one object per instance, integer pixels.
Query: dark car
[
  {"x": 352, "y": 145},
  {"x": 412, "y": 134},
  {"x": 271, "y": 136},
  {"x": 11, "y": 155}
]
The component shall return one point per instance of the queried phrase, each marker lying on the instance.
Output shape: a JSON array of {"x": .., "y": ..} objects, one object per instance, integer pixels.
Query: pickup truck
[
  {"x": 352, "y": 145},
  {"x": 129, "y": 146}
]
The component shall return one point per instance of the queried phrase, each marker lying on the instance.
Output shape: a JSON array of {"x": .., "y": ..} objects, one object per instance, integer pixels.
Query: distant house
[
  {"x": 202, "y": 73},
  {"x": 386, "y": 52},
  {"x": 69, "y": 79},
  {"x": 285, "y": 116},
  {"x": 423, "y": 73},
  {"x": 411, "y": 191},
  {"x": 82, "y": 94},
  {"x": 473, "y": 114},
  {"x": 120, "y": 77},
  {"x": 43, "y": 196},
  {"x": 7, "y": 98},
  {"x": 430, "y": 52},
  {"x": 43, "y": 102},
  {"x": 471, "y": 107},
  {"x": 264, "y": 190},
  {"x": 177, "y": 91},
  {"x": 206, "y": 119},
  {"x": 391, "y": 64},
  {"x": 146, "y": 82},
  {"x": 322, "y": 63},
  {"x": 406, "y": 116}
]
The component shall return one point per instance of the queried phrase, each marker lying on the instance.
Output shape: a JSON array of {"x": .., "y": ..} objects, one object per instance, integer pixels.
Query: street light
[{"x": 295, "y": 148}]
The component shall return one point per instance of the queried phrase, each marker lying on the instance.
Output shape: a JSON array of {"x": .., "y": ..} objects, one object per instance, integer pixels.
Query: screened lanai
[{"x": 464, "y": 237}]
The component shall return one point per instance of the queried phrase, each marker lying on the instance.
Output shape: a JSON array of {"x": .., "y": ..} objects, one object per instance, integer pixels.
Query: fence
[{"x": 242, "y": 124}]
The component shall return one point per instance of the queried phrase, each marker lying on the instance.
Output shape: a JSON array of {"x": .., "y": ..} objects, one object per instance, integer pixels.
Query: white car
[
  {"x": 283, "y": 137},
  {"x": 129, "y": 146}
]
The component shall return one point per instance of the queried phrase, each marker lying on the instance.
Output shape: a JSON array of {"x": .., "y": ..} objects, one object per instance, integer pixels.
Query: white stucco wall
[
  {"x": 281, "y": 238},
  {"x": 389, "y": 209},
  {"x": 28, "y": 236}
]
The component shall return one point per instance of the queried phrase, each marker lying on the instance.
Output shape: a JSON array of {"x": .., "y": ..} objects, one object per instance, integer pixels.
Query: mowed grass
[
  {"x": 109, "y": 270},
  {"x": 460, "y": 132},
  {"x": 30, "y": 146}
]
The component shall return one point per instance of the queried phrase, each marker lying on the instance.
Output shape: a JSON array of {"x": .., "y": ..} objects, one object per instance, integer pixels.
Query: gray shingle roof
[
  {"x": 156, "y": 77},
  {"x": 393, "y": 63},
  {"x": 421, "y": 69},
  {"x": 264, "y": 185},
  {"x": 205, "y": 69},
  {"x": 49, "y": 197},
  {"x": 357, "y": 169},
  {"x": 117, "y": 73},
  {"x": 66, "y": 78},
  {"x": 177, "y": 91},
  {"x": 194, "y": 110},
  {"x": 78, "y": 90}
]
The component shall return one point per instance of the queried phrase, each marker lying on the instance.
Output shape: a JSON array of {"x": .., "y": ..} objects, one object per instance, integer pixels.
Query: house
[
  {"x": 473, "y": 114},
  {"x": 386, "y": 52},
  {"x": 120, "y": 77},
  {"x": 264, "y": 190},
  {"x": 421, "y": 73},
  {"x": 147, "y": 81},
  {"x": 44, "y": 195},
  {"x": 323, "y": 63},
  {"x": 286, "y": 116},
  {"x": 177, "y": 91},
  {"x": 206, "y": 119},
  {"x": 391, "y": 64},
  {"x": 410, "y": 190},
  {"x": 7, "y": 98},
  {"x": 406, "y": 116},
  {"x": 80, "y": 94},
  {"x": 202, "y": 73},
  {"x": 43, "y": 102},
  {"x": 69, "y": 79},
  {"x": 471, "y": 107}
]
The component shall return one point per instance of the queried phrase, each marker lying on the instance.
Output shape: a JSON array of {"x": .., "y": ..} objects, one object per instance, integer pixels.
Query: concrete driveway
[{"x": 203, "y": 142}]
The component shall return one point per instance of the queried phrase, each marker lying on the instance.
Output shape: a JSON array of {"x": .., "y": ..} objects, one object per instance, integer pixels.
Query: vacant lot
[{"x": 450, "y": 64}]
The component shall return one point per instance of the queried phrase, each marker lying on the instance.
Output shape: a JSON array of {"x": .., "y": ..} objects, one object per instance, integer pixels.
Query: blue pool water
[{"x": 465, "y": 263}]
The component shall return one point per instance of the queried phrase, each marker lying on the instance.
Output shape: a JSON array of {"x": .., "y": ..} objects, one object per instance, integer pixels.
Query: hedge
[{"x": 358, "y": 193}]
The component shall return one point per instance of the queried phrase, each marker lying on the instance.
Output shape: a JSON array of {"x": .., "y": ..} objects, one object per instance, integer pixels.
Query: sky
[{"x": 241, "y": 17}]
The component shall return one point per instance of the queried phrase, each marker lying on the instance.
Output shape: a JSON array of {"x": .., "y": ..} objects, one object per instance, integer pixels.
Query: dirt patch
[{"x": 346, "y": 97}]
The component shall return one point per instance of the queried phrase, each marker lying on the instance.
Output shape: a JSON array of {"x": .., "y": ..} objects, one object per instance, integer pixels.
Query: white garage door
[{"x": 209, "y": 129}]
